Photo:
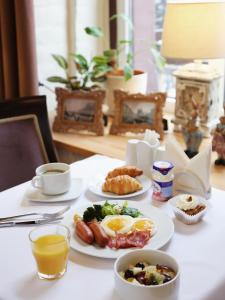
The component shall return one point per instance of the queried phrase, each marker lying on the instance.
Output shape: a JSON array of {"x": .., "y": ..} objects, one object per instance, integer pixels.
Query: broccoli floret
[
  {"x": 98, "y": 211},
  {"x": 89, "y": 214},
  {"x": 133, "y": 212}
]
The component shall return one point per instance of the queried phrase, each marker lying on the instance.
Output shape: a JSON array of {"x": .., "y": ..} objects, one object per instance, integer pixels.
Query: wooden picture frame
[
  {"x": 131, "y": 112},
  {"x": 79, "y": 110}
]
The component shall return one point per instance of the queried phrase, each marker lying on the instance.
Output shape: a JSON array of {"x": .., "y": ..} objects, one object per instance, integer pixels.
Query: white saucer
[{"x": 33, "y": 194}]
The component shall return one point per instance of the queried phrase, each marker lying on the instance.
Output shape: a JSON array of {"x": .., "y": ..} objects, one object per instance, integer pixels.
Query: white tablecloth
[{"x": 198, "y": 248}]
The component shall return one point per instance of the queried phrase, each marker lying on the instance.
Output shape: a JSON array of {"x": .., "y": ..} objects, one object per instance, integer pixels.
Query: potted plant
[
  {"x": 106, "y": 67},
  {"x": 85, "y": 85},
  {"x": 126, "y": 78},
  {"x": 89, "y": 74}
]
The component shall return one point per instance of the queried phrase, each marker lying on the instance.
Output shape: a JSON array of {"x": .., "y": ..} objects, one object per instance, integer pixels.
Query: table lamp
[{"x": 196, "y": 30}]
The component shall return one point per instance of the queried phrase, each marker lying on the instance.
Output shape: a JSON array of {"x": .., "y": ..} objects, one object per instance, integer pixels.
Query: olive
[
  {"x": 128, "y": 274},
  {"x": 167, "y": 278},
  {"x": 140, "y": 277},
  {"x": 140, "y": 265},
  {"x": 154, "y": 282}
]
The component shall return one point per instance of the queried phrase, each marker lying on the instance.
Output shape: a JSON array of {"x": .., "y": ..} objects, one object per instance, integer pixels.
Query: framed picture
[
  {"x": 138, "y": 112},
  {"x": 79, "y": 110}
]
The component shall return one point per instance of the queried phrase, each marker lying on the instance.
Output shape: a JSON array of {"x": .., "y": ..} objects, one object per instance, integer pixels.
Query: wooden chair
[
  {"x": 31, "y": 105},
  {"x": 25, "y": 139}
]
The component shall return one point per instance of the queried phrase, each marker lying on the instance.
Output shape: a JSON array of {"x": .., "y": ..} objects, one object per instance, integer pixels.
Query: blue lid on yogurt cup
[{"x": 163, "y": 166}]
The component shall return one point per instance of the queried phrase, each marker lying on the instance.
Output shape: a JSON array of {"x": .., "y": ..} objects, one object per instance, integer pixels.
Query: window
[
  {"x": 59, "y": 28},
  {"x": 166, "y": 79}
]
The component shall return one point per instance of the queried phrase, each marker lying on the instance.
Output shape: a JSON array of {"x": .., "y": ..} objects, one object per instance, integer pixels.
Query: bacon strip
[{"x": 135, "y": 239}]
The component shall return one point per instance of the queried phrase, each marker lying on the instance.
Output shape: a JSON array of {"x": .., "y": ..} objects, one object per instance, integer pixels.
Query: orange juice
[{"x": 51, "y": 253}]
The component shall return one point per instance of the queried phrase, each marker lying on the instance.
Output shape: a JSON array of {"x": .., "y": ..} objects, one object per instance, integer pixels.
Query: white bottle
[{"x": 162, "y": 177}]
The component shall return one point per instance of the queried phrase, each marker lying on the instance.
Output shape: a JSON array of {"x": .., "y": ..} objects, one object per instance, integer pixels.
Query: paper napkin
[
  {"x": 142, "y": 153},
  {"x": 191, "y": 175}
]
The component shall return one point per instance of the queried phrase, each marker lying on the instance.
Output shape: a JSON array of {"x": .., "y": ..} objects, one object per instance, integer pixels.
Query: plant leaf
[
  {"x": 129, "y": 58},
  {"x": 128, "y": 72},
  {"x": 58, "y": 79},
  {"x": 159, "y": 60},
  {"x": 125, "y": 42},
  {"x": 110, "y": 53},
  {"x": 96, "y": 86},
  {"x": 75, "y": 85},
  {"x": 100, "y": 70},
  {"x": 124, "y": 17},
  {"x": 100, "y": 59},
  {"x": 81, "y": 63},
  {"x": 94, "y": 31},
  {"x": 72, "y": 77},
  {"x": 61, "y": 61},
  {"x": 99, "y": 79}
]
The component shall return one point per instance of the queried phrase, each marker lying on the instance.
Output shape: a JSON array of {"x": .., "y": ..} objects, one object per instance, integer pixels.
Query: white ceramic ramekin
[{"x": 127, "y": 290}]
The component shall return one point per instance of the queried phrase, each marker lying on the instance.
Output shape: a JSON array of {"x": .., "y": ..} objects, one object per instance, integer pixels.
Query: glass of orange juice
[{"x": 50, "y": 247}]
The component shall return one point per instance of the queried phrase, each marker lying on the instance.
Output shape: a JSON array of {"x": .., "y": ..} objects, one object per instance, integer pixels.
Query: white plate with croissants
[{"x": 122, "y": 182}]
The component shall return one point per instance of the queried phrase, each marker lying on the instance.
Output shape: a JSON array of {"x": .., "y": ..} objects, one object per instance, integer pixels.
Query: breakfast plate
[
  {"x": 96, "y": 188},
  {"x": 164, "y": 231},
  {"x": 74, "y": 192}
]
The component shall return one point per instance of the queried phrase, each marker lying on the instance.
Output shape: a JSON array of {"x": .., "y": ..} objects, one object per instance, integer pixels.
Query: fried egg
[
  {"x": 142, "y": 224},
  {"x": 115, "y": 224}
]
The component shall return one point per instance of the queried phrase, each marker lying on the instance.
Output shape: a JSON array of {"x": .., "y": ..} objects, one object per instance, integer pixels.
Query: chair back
[
  {"x": 22, "y": 150},
  {"x": 25, "y": 139},
  {"x": 32, "y": 105}
]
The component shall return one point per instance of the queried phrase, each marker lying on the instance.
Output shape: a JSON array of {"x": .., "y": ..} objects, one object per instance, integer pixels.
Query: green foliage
[
  {"x": 109, "y": 60},
  {"x": 124, "y": 18},
  {"x": 159, "y": 60},
  {"x": 81, "y": 63},
  {"x": 129, "y": 58},
  {"x": 109, "y": 53},
  {"x": 94, "y": 31},
  {"x": 125, "y": 42},
  {"x": 93, "y": 72},
  {"x": 101, "y": 60},
  {"x": 89, "y": 73},
  {"x": 61, "y": 61},
  {"x": 128, "y": 72},
  {"x": 58, "y": 79}
]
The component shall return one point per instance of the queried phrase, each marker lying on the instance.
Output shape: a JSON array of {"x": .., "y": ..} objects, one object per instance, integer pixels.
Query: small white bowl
[
  {"x": 127, "y": 290},
  {"x": 182, "y": 216}
]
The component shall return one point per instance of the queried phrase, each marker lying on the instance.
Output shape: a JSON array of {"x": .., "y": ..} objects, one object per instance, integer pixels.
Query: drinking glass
[{"x": 50, "y": 247}]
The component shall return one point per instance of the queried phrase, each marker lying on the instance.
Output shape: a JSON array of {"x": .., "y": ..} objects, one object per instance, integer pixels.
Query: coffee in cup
[
  {"x": 53, "y": 171},
  {"x": 52, "y": 178}
]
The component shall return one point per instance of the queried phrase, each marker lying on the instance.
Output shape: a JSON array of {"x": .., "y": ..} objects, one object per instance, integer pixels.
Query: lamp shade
[{"x": 194, "y": 30}]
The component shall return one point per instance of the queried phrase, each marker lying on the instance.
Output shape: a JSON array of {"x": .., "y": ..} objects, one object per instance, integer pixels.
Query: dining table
[{"x": 198, "y": 248}]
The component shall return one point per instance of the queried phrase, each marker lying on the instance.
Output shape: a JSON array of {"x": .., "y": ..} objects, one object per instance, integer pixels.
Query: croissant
[
  {"x": 127, "y": 170},
  {"x": 121, "y": 185}
]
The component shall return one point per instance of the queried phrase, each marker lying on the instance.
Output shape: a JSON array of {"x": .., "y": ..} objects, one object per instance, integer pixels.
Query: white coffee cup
[{"x": 52, "y": 178}]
